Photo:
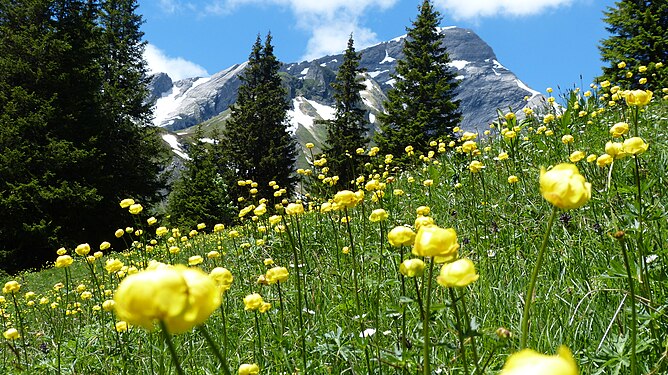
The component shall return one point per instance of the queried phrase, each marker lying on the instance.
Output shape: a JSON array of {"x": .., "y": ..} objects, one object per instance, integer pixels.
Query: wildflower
[
  {"x": 119, "y": 233},
  {"x": 476, "y": 166},
  {"x": 502, "y": 156},
  {"x": 411, "y": 267},
  {"x": 61, "y": 251},
  {"x": 64, "y": 261},
  {"x": 567, "y": 139},
  {"x": 513, "y": 179},
  {"x": 378, "y": 215},
  {"x": 11, "y": 287},
  {"x": 576, "y": 156},
  {"x": 604, "y": 160},
  {"x": 615, "y": 149},
  {"x": 223, "y": 278},
  {"x": 113, "y": 265},
  {"x": 11, "y": 334},
  {"x": 638, "y": 97},
  {"x": 253, "y": 301},
  {"x": 82, "y": 249},
  {"x": 345, "y": 198},
  {"x": 528, "y": 361},
  {"x": 432, "y": 241},
  {"x": 218, "y": 228},
  {"x": 345, "y": 250},
  {"x": 423, "y": 210},
  {"x": 249, "y": 369},
  {"x": 459, "y": 273},
  {"x": 195, "y": 260},
  {"x": 294, "y": 209},
  {"x": 469, "y": 146},
  {"x": 121, "y": 326},
  {"x": 619, "y": 129},
  {"x": 401, "y": 236},
  {"x": 125, "y": 203},
  {"x": 428, "y": 183},
  {"x": 201, "y": 226},
  {"x": 135, "y": 209},
  {"x": 151, "y": 220},
  {"x": 309, "y": 145},
  {"x": 180, "y": 297},
  {"x": 591, "y": 158},
  {"x": 634, "y": 146},
  {"x": 264, "y": 307},
  {"x": 564, "y": 186},
  {"x": 108, "y": 305},
  {"x": 260, "y": 210},
  {"x": 642, "y": 81},
  {"x": 277, "y": 274}
]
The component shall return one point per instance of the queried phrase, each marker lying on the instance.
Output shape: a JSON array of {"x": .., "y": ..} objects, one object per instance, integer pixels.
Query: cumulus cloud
[
  {"x": 176, "y": 67},
  {"x": 329, "y": 22},
  {"x": 459, "y": 9}
]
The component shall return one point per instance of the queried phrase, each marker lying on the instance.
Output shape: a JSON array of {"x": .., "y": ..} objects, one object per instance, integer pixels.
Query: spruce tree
[
  {"x": 348, "y": 130},
  {"x": 200, "y": 193},
  {"x": 256, "y": 141},
  {"x": 638, "y": 37},
  {"x": 421, "y": 106},
  {"x": 59, "y": 141}
]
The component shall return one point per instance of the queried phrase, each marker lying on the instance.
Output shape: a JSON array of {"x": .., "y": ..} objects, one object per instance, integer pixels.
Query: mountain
[{"x": 486, "y": 86}]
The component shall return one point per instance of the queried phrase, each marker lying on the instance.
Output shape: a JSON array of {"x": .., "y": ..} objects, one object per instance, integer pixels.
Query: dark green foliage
[
  {"x": 348, "y": 130},
  {"x": 256, "y": 142},
  {"x": 421, "y": 106},
  {"x": 639, "y": 37},
  {"x": 70, "y": 145},
  {"x": 200, "y": 194}
]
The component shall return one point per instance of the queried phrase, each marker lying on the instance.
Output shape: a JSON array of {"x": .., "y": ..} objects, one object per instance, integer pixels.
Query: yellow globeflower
[
  {"x": 634, "y": 146},
  {"x": 411, "y": 267},
  {"x": 421, "y": 221},
  {"x": 260, "y": 210},
  {"x": 64, "y": 261},
  {"x": 567, "y": 139},
  {"x": 253, "y": 301},
  {"x": 11, "y": 334},
  {"x": 401, "y": 236},
  {"x": 564, "y": 186},
  {"x": 125, "y": 203},
  {"x": 476, "y": 166},
  {"x": 529, "y": 361},
  {"x": 223, "y": 278},
  {"x": 459, "y": 273},
  {"x": 249, "y": 369},
  {"x": 119, "y": 233},
  {"x": 615, "y": 149},
  {"x": 276, "y": 274},
  {"x": 82, "y": 249},
  {"x": 195, "y": 260},
  {"x": 469, "y": 146},
  {"x": 180, "y": 297},
  {"x": 576, "y": 156},
  {"x": 638, "y": 97},
  {"x": 619, "y": 129},
  {"x": 345, "y": 198},
  {"x": 294, "y": 209},
  {"x": 423, "y": 210},
  {"x": 513, "y": 179},
  {"x": 11, "y": 287},
  {"x": 432, "y": 241},
  {"x": 378, "y": 215},
  {"x": 113, "y": 265},
  {"x": 135, "y": 209}
]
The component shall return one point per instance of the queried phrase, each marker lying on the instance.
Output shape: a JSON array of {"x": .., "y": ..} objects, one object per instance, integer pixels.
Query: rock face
[{"x": 485, "y": 86}]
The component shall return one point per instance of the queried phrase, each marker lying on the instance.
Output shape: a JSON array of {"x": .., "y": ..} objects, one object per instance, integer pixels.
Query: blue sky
[{"x": 546, "y": 43}]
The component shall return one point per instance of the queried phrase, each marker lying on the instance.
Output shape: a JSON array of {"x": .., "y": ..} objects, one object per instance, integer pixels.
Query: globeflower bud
[
  {"x": 249, "y": 369},
  {"x": 401, "y": 236},
  {"x": 411, "y": 267},
  {"x": 277, "y": 274},
  {"x": 528, "y": 361},
  {"x": 253, "y": 301}
]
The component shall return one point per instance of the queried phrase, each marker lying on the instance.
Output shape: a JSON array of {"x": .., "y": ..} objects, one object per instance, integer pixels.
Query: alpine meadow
[{"x": 535, "y": 245}]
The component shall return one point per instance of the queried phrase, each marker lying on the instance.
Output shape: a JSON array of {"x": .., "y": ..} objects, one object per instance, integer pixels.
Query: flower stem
[
  {"x": 634, "y": 317},
  {"x": 534, "y": 277},
  {"x": 425, "y": 324},
  {"x": 172, "y": 350},
  {"x": 460, "y": 331},
  {"x": 215, "y": 349}
]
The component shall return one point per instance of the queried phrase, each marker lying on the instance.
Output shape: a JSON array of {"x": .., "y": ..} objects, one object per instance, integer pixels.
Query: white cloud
[
  {"x": 472, "y": 9},
  {"x": 176, "y": 67},
  {"x": 329, "y": 22}
]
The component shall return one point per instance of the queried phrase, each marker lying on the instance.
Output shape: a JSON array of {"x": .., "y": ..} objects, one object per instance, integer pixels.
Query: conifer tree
[
  {"x": 421, "y": 106},
  {"x": 200, "y": 193},
  {"x": 61, "y": 147},
  {"x": 256, "y": 141},
  {"x": 348, "y": 130},
  {"x": 638, "y": 37}
]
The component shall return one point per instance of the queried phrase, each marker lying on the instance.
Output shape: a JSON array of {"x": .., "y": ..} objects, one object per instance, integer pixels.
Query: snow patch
[
  {"x": 208, "y": 140},
  {"x": 175, "y": 145},
  {"x": 525, "y": 87},
  {"x": 303, "y": 72},
  {"x": 387, "y": 58},
  {"x": 399, "y": 38},
  {"x": 376, "y": 73},
  {"x": 298, "y": 117},
  {"x": 391, "y": 82},
  {"x": 459, "y": 78},
  {"x": 498, "y": 65},
  {"x": 495, "y": 72},
  {"x": 372, "y": 118},
  {"x": 459, "y": 64}
]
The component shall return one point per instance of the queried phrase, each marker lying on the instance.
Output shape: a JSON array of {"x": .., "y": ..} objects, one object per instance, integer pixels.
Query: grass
[{"x": 358, "y": 313}]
